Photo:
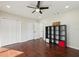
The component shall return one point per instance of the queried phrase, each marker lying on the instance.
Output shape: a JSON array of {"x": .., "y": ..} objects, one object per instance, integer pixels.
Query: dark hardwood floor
[{"x": 39, "y": 48}]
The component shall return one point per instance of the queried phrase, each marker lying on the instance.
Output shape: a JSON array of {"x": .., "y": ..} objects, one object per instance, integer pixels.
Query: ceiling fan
[{"x": 38, "y": 8}]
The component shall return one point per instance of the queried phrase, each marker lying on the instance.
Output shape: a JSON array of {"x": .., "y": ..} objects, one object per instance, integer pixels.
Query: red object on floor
[{"x": 61, "y": 44}]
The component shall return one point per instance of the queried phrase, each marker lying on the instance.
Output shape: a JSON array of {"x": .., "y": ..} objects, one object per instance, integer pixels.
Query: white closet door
[
  {"x": 36, "y": 30},
  {"x": 26, "y": 31},
  {"x": 9, "y": 31}
]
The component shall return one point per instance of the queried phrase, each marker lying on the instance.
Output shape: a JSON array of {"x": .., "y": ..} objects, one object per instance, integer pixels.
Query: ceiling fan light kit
[{"x": 37, "y": 10}]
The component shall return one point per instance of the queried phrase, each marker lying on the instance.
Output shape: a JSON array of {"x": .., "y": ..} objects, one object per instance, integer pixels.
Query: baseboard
[
  {"x": 74, "y": 47},
  {"x": 77, "y": 48}
]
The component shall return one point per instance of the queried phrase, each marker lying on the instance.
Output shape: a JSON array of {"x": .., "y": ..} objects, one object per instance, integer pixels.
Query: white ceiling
[{"x": 55, "y": 8}]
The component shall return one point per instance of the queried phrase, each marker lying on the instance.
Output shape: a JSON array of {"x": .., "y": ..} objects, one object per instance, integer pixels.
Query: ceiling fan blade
[
  {"x": 33, "y": 11},
  {"x": 38, "y": 4},
  {"x": 44, "y": 8},
  {"x": 31, "y": 7},
  {"x": 40, "y": 12}
]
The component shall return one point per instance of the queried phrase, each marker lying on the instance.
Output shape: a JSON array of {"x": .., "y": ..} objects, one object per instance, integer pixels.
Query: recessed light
[
  {"x": 8, "y": 6},
  {"x": 66, "y": 6}
]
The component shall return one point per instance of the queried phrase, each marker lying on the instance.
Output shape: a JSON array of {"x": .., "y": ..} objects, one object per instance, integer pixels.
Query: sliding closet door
[
  {"x": 10, "y": 32},
  {"x": 15, "y": 31}
]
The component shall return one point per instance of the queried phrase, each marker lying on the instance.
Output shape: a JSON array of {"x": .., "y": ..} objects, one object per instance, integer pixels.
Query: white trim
[{"x": 74, "y": 47}]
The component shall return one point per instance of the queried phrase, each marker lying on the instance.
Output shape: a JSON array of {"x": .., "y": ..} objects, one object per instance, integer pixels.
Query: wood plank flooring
[{"x": 39, "y": 48}]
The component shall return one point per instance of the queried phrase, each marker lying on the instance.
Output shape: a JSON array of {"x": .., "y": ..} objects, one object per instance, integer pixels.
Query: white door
[
  {"x": 9, "y": 31},
  {"x": 36, "y": 30},
  {"x": 26, "y": 31}
]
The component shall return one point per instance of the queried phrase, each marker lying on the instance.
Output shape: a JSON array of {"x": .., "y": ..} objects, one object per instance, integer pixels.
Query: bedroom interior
[{"x": 39, "y": 28}]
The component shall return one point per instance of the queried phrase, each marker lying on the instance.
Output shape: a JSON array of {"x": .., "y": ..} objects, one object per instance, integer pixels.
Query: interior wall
[
  {"x": 71, "y": 19},
  {"x": 14, "y": 29}
]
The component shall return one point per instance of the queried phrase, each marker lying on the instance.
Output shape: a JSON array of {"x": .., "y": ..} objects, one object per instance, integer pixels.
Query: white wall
[
  {"x": 14, "y": 29},
  {"x": 71, "y": 19}
]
